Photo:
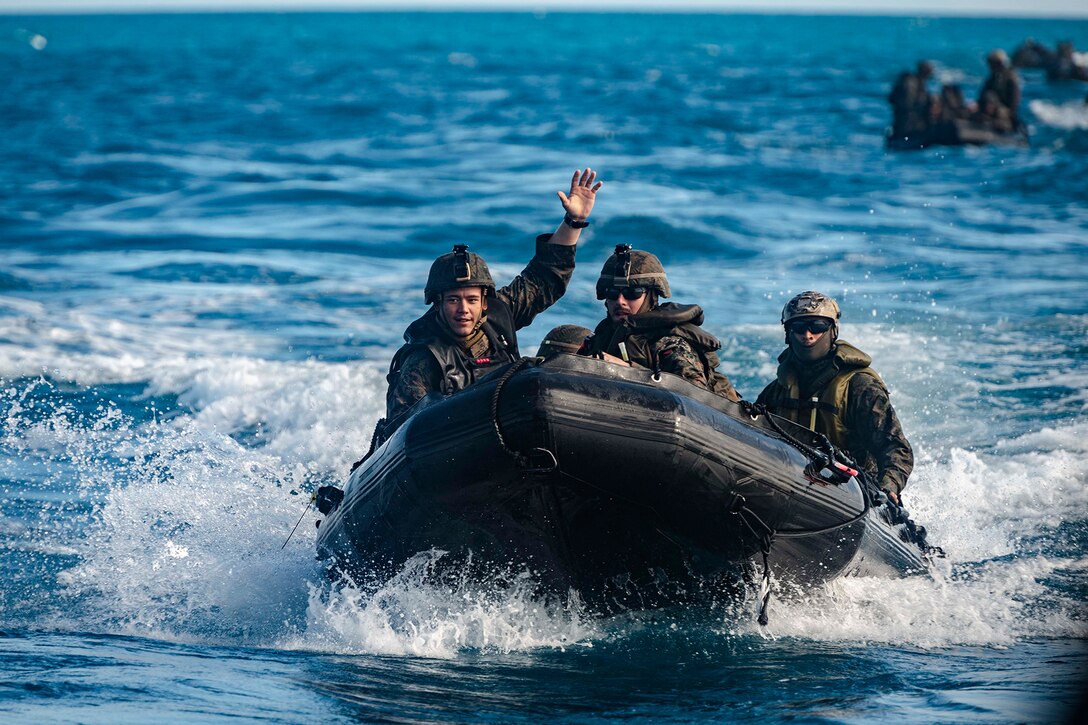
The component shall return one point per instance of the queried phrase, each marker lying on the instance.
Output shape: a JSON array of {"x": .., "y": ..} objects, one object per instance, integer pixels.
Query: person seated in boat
[
  {"x": 1032, "y": 54},
  {"x": 826, "y": 384},
  {"x": 1064, "y": 67},
  {"x": 992, "y": 114},
  {"x": 640, "y": 330},
  {"x": 563, "y": 339},
  {"x": 1003, "y": 81},
  {"x": 471, "y": 327},
  {"x": 912, "y": 104},
  {"x": 952, "y": 106}
]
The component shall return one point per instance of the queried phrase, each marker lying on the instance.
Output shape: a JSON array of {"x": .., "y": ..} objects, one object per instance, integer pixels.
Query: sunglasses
[
  {"x": 629, "y": 293},
  {"x": 816, "y": 327}
]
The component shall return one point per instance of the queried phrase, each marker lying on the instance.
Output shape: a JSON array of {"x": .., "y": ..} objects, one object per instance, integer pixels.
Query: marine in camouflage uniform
[
  {"x": 912, "y": 103},
  {"x": 662, "y": 337},
  {"x": 826, "y": 384},
  {"x": 471, "y": 326},
  {"x": 1004, "y": 83}
]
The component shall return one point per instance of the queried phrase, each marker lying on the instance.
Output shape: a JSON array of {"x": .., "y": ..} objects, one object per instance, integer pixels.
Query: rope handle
[{"x": 520, "y": 458}]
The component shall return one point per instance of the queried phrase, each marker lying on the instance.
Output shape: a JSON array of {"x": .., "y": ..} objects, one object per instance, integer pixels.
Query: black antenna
[
  {"x": 313, "y": 497},
  {"x": 462, "y": 269},
  {"x": 623, "y": 256}
]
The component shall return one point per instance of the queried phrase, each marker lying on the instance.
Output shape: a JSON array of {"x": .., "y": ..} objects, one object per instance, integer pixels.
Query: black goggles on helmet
[
  {"x": 816, "y": 326},
  {"x": 629, "y": 293}
]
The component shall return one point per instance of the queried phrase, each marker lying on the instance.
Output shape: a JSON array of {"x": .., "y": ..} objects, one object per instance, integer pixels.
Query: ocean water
[{"x": 214, "y": 229}]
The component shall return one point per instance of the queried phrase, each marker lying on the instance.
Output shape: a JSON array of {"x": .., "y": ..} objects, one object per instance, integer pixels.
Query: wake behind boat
[{"x": 634, "y": 489}]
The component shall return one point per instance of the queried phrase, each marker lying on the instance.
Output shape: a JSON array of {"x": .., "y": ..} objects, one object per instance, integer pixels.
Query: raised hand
[{"x": 583, "y": 191}]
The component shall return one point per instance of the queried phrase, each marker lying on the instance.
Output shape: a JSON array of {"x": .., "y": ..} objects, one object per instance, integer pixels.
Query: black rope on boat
[
  {"x": 765, "y": 539},
  {"x": 768, "y": 532},
  {"x": 765, "y": 586},
  {"x": 754, "y": 410},
  {"x": 379, "y": 430},
  {"x": 520, "y": 458}
]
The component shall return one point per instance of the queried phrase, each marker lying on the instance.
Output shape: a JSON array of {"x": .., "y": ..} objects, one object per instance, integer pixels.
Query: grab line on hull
[{"x": 520, "y": 458}]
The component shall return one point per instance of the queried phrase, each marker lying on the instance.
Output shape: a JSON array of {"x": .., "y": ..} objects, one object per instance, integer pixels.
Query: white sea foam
[
  {"x": 190, "y": 546},
  {"x": 995, "y": 604},
  {"x": 315, "y": 415},
  {"x": 980, "y": 506},
  {"x": 186, "y": 540},
  {"x": 1072, "y": 115},
  {"x": 312, "y": 413},
  {"x": 415, "y": 613}
]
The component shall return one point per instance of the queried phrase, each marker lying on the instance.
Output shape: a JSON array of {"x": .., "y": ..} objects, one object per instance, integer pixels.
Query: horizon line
[{"x": 924, "y": 9}]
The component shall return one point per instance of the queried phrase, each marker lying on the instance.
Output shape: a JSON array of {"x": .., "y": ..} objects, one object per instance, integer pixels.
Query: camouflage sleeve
[
  {"x": 874, "y": 424},
  {"x": 541, "y": 283},
  {"x": 418, "y": 376},
  {"x": 675, "y": 355},
  {"x": 721, "y": 385}
]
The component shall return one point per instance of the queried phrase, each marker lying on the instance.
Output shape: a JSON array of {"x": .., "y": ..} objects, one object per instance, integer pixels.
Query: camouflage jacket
[
  {"x": 1006, "y": 84},
  {"x": 416, "y": 369},
  {"x": 866, "y": 427},
  {"x": 669, "y": 339},
  {"x": 911, "y": 104}
]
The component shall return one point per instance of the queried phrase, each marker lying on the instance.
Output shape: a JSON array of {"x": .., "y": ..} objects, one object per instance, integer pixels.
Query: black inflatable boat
[
  {"x": 634, "y": 489},
  {"x": 957, "y": 133}
]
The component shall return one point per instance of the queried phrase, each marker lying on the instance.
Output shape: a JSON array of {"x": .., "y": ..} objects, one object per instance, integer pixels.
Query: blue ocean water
[{"x": 215, "y": 228}]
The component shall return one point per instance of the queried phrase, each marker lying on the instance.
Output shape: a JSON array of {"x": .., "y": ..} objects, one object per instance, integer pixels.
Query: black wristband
[{"x": 574, "y": 223}]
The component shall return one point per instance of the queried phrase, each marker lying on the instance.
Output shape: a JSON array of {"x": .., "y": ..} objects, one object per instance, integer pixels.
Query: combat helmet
[
  {"x": 632, "y": 268},
  {"x": 459, "y": 268},
  {"x": 811, "y": 304},
  {"x": 999, "y": 57},
  {"x": 565, "y": 338}
]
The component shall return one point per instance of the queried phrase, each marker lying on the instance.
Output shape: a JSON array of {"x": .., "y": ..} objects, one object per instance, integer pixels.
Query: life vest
[
  {"x": 458, "y": 370},
  {"x": 825, "y": 413}
]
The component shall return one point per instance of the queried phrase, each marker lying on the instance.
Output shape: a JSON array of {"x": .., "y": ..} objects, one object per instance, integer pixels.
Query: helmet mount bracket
[
  {"x": 623, "y": 255},
  {"x": 463, "y": 270}
]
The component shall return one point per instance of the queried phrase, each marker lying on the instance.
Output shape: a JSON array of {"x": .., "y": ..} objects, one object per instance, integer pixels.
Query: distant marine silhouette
[
  {"x": 921, "y": 118},
  {"x": 1060, "y": 64},
  {"x": 1032, "y": 54},
  {"x": 1064, "y": 65}
]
